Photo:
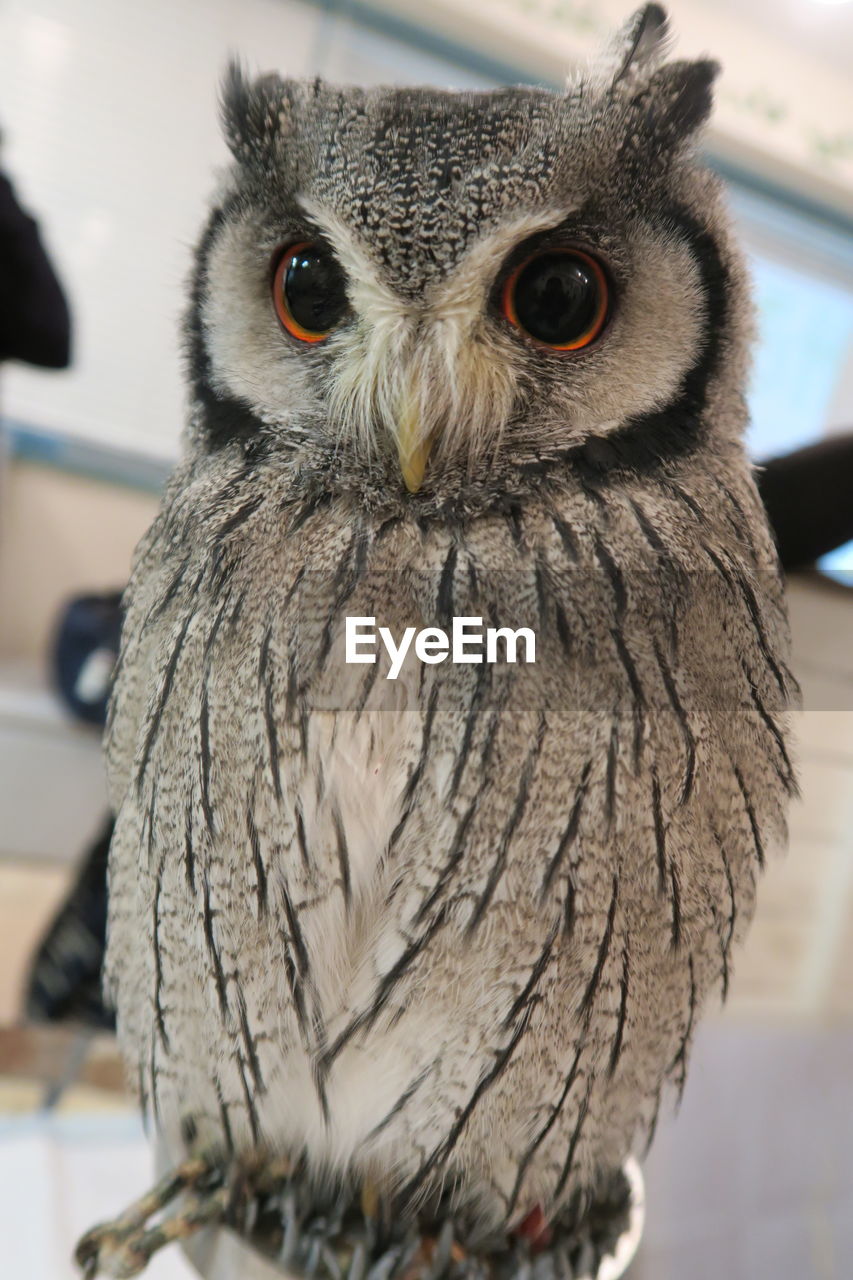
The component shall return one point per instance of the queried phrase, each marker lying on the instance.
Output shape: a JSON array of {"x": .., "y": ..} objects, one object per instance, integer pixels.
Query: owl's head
[{"x": 414, "y": 290}]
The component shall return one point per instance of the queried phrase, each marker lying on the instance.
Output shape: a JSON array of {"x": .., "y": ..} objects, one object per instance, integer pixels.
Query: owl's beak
[{"x": 412, "y": 448}]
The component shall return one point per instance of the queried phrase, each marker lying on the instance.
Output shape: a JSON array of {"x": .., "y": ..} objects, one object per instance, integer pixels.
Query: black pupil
[
  {"x": 315, "y": 289},
  {"x": 557, "y": 298}
]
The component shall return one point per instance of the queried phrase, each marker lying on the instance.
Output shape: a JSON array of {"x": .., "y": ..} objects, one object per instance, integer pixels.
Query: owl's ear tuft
[
  {"x": 640, "y": 45},
  {"x": 254, "y": 112},
  {"x": 679, "y": 98}
]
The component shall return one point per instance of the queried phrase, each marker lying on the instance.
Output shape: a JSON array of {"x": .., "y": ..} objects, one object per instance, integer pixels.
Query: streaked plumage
[{"x": 455, "y": 931}]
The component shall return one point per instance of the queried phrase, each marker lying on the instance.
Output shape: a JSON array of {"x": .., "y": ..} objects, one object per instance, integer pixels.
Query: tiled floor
[{"x": 752, "y": 1181}]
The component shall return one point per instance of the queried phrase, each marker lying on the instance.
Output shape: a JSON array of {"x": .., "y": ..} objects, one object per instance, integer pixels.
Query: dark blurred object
[
  {"x": 85, "y": 652},
  {"x": 35, "y": 324},
  {"x": 808, "y": 495},
  {"x": 65, "y": 978}
]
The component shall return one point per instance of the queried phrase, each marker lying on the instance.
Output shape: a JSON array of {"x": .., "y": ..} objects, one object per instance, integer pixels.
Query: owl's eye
[
  {"x": 309, "y": 291},
  {"x": 559, "y": 297}
]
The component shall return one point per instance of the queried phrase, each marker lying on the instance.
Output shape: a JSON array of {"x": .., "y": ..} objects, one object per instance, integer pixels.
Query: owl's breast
[{"x": 384, "y": 919}]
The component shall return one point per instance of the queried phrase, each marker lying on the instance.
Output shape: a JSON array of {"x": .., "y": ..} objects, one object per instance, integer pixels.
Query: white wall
[{"x": 109, "y": 116}]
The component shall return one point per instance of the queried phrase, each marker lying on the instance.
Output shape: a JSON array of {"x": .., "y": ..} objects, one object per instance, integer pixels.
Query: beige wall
[{"x": 60, "y": 535}]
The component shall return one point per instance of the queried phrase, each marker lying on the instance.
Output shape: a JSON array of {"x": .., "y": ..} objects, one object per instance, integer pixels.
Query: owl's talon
[
  {"x": 370, "y": 1200},
  {"x": 422, "y": 1259},
  {"x": 358, "y": 1263},
  {"x": 434, "y": 1254},
  {"x": 122, "y": 1248}
]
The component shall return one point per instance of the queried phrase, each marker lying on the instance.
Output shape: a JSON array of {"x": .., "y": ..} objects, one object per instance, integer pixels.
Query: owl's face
[{"x": 414, "y": 290}]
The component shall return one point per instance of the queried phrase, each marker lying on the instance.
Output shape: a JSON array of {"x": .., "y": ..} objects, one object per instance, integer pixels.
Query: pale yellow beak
[{"x": 413, "y": 450}]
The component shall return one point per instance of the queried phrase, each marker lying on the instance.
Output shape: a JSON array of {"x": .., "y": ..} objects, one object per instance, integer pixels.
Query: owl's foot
[
  {"x": 277, "y": 1209},
  {"x": 123, "y": 1247},
  {"x": 609, "y": 1234},
  {"x": 366, "y": 1237},
  {"x": 592, "y": 1241}
]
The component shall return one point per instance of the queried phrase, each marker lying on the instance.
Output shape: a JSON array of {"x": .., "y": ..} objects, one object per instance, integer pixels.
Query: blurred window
[{"x": 801, "y": 387}]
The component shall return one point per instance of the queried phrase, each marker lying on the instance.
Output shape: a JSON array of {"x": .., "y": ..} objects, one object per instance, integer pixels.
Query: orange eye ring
[
  {"x": 302, "y": 256},
  {"x": 594, "y": 322}
]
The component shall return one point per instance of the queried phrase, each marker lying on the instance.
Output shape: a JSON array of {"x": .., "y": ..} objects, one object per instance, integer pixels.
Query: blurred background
[{"x": 110, "y": 140}]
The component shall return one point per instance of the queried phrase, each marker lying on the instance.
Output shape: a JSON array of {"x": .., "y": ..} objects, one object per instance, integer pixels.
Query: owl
[{"x": 448, "y": 935}]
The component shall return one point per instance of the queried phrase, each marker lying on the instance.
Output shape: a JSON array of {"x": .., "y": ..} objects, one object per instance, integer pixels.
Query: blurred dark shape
[
  {"x": 65, "y": 976},
  {"x": 35, "y": 324},
  {"x": 85, "y": 652},
  {"x": 808, "y": 495}
]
